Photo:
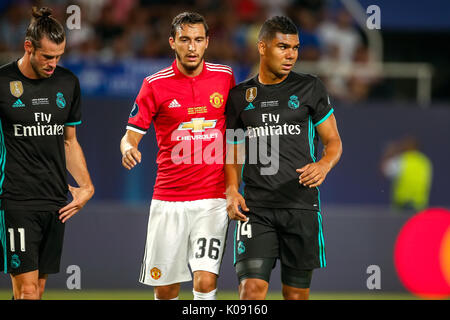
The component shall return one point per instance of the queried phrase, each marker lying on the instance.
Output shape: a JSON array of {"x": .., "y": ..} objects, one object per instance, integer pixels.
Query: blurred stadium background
[{"x": 386, "y": 85}]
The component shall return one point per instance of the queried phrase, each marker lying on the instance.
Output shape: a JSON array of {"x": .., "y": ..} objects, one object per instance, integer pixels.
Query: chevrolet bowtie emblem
[{"x": 197, "y": 125}]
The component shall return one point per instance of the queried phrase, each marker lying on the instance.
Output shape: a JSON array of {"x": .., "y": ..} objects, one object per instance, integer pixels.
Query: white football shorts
[{"x": 182, "y": 234}]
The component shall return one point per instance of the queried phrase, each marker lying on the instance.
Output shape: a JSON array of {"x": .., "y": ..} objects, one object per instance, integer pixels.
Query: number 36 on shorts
[{"x": 209, "y": 247}]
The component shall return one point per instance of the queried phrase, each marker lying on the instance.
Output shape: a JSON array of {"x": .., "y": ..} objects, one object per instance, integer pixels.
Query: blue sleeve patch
[{"x": 134, "y": 111}]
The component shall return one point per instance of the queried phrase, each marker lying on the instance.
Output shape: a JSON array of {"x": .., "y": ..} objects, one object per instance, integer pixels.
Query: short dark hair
[
  {"x": 44, "y": 25},
  {"x": 276, "y": 24},
  {"x": 187, "y": 18}
]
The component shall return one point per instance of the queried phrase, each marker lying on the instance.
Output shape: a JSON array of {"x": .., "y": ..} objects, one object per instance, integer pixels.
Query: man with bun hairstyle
[{"x": 39, "y": 111}]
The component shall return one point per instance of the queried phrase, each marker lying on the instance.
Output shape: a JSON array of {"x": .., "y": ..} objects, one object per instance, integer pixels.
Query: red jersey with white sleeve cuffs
[{"x": 188, "y": 114}]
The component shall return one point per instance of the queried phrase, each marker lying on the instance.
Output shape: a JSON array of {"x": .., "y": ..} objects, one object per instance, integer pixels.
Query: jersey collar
[
  {"x": 178, "y": 72},
  {"x": 275, "y": 85}
]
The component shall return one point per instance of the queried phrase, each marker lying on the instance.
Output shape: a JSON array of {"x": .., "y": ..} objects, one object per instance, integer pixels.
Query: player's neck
[
  {"x": 190, "y": 73},
  {"x": 25, "y": 67},
  {"x": 265, "y": 76}
]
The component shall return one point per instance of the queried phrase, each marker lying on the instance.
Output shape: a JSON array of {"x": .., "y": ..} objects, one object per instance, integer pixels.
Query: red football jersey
[{"x": 188, "y": 114}]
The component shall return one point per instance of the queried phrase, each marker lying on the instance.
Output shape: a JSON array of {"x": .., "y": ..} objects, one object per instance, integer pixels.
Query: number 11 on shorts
[{"x": 12, "y": 242}]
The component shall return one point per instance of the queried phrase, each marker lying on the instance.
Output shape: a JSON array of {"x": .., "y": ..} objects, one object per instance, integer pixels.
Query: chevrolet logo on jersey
[{"x": 197, "y": 125}]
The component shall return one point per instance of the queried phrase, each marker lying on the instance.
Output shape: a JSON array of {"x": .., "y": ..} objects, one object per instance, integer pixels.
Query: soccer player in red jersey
[{"x": 188, "y": 219}]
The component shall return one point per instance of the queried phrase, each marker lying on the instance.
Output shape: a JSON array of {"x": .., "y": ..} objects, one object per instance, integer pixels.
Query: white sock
[
  {"x": 205, "y": 296},
  {"x": 176, "y": 298}
]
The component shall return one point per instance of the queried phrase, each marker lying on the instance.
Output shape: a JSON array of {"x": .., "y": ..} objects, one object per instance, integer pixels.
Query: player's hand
[
  {"x": 234, "y": 200},
  {"x": 131, "y": 157},
  {"x": 313, "y": 174},
  {"x": 80, "y": 197}
]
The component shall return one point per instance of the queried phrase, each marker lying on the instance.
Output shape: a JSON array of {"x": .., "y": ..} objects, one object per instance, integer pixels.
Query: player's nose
[
  {"x": 52, "y": 63},
  {"x": 291, "y": 53}
]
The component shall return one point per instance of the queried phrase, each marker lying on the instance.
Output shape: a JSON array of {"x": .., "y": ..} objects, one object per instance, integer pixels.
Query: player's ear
[
  {"x": 28, "y": 46},
  {"x": 172, "y": 43},
  {"x": 262, "y": 47},
  {"x": 207, "y": 42}
]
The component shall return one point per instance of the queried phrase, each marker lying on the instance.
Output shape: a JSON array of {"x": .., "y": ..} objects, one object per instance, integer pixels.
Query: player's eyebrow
[
  {"x": 288, "y": 45},
  {"x": 187, "y": 37},
  {"x": 49, "y": 56}
]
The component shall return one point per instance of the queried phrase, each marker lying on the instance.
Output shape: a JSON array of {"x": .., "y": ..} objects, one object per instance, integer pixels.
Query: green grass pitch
[{"x": 52, "y": 294}]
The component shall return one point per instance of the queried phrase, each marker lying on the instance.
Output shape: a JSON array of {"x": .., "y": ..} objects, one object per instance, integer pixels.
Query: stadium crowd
[{"x": 123, "y": 29}]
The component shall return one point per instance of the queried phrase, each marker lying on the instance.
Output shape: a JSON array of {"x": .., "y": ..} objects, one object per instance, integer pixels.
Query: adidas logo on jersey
[
  {"x": 249, "y": 107},
  {"x": 174, "y": 104},
  {"x": 18, "y": 104}
]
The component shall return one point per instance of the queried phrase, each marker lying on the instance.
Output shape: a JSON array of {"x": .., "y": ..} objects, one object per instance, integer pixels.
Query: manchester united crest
[
  {"x": 155, "y": 273},
  {"x": 16, "y": 88},
  {"x": 216, "y": 100}
]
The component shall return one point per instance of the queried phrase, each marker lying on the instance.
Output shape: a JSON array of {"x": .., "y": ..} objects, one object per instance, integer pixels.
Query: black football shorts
[
  {"x": 294, "y": 236},
  {"x": 30, "y": 240}
]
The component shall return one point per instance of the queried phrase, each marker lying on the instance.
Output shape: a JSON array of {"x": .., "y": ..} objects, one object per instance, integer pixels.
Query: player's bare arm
[
  {"x": 76, "y": 165},
  {"x": 313, "y": 174},
  {"x": 131, "y": 156},
  {"x": 233, "y": 169}
]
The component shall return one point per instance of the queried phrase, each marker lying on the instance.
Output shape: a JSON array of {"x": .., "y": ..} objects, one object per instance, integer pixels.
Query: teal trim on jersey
[
  {"x": 242, "y": 177},
  {"x": 323, "y": 260},
  {"x": 324, "y": 118},
  {"x": 323, "y": 242},
  {"x": 3, "y": 239},
  {"x": 236, "y": 142},
  {"x": 2, "y": 157},
  {"x": 2, "y": 213},
  {"x": 72, "y": 123},
  {"x": 234, "y": 244},
  {"x": 320, "y": 241},
  {"x": 311, "y": 134}
]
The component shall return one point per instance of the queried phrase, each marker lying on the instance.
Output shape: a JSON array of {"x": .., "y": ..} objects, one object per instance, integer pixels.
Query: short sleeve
[
  {"x": 235, "y": 126},
  {"x": 232, "y": 81},
  {"x": 320, "y": 103},
  {"x": 74, "y": 117},
  {"x": 143, "y": 111}
]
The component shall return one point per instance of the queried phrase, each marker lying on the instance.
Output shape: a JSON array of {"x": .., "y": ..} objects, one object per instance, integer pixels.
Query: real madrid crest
[
  {"x": 251, "y": 93},
  {"x": 60, "y": 101},
  {"x": 293, "y": 102},
  {"x": 216, "y": 100},
  {"x": 16, "y": 88}
]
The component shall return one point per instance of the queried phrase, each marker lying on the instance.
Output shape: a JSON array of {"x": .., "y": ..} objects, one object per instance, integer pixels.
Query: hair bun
[{"x": 44, "y": 12}]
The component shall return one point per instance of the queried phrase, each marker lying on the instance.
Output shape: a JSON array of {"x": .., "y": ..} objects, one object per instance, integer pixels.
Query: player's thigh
[
  {"x": 21, "y": 236},
  {"x": 293, "y": 279},
  {"x": 165, "y": 259},
  {"x": 52, "y": 243},
  {"x": 209, "y": 225},
  {"x": 257, "y": 237},
  {"x": 254, "y": 268},
  {"x": 301, "y": 239}
]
